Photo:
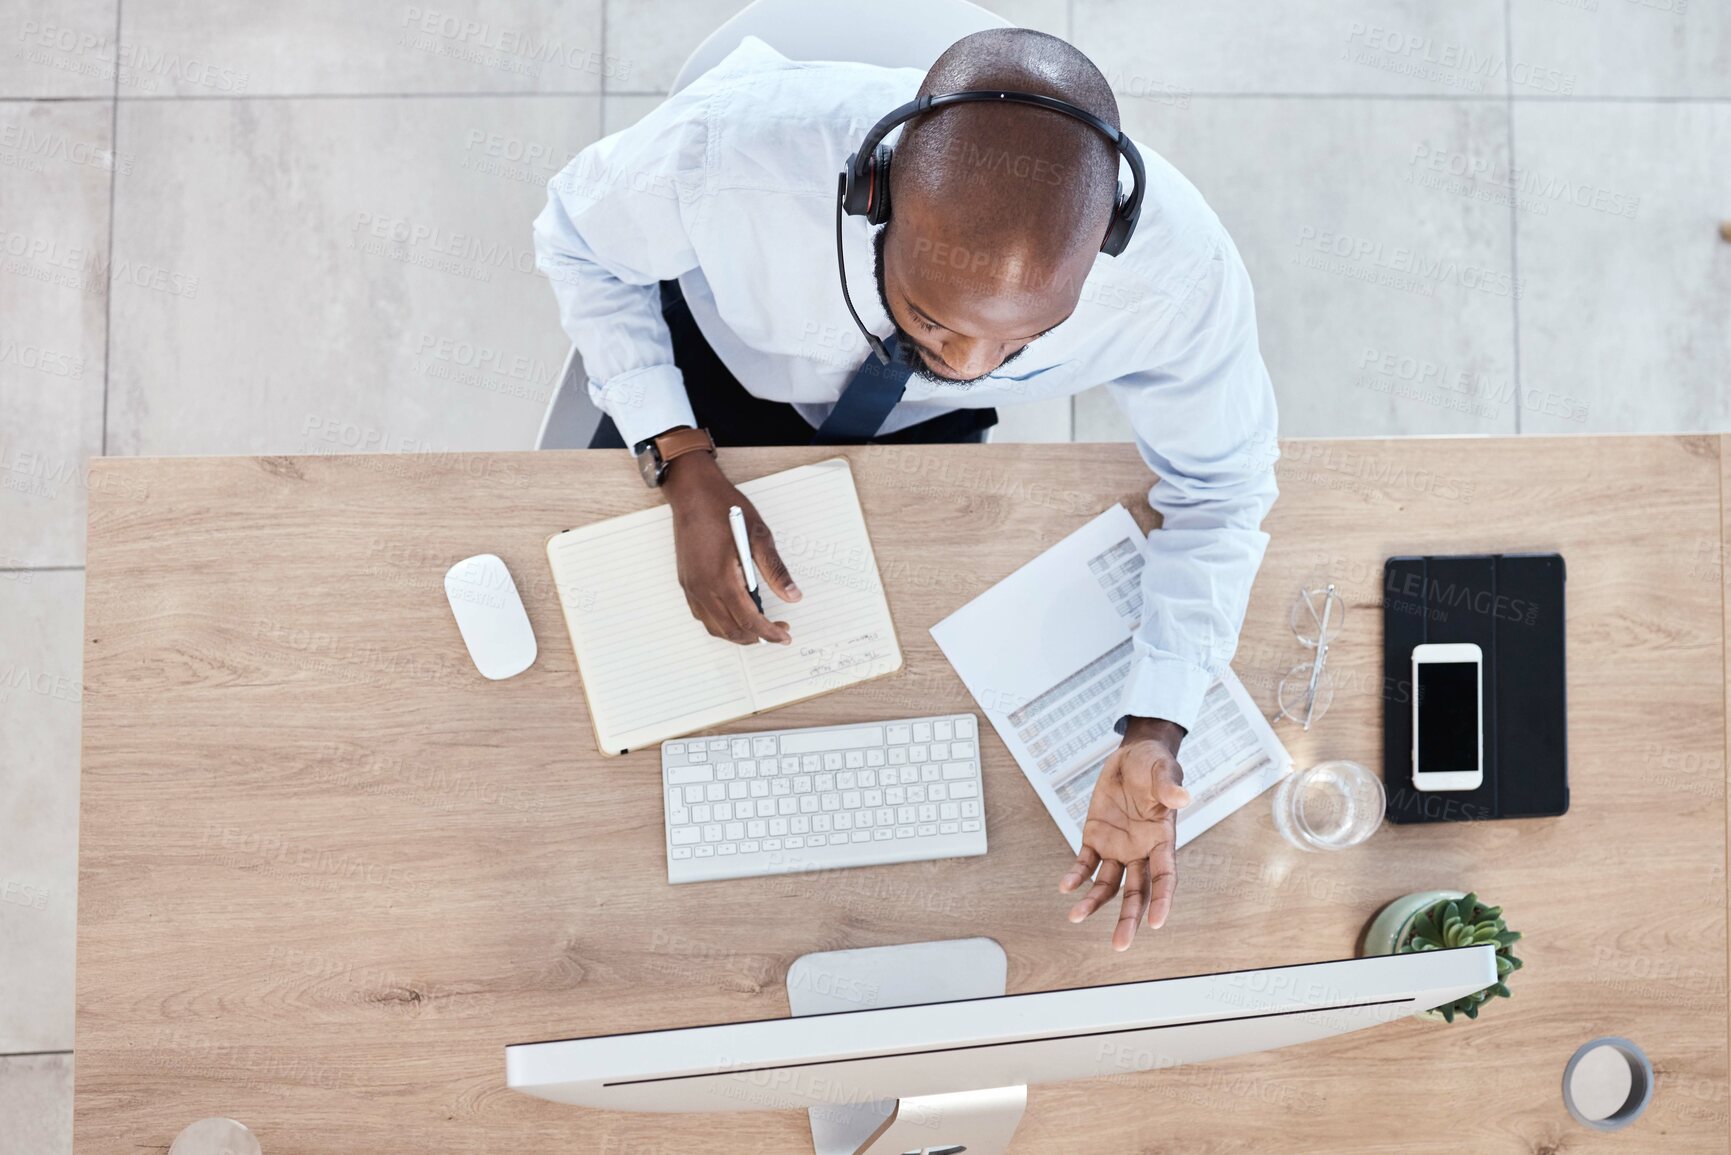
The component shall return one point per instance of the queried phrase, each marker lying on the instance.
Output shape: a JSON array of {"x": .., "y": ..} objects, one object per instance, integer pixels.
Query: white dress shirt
[{"x": 730, "y": 187}]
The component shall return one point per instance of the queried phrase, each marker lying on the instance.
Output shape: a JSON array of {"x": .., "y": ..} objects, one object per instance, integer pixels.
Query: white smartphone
[{"x": 1448, "y": 716}]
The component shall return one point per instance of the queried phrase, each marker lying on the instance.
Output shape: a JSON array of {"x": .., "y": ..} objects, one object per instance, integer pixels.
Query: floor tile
[
  {"x": 56, "y": 48},
  {"x": 41, "y": 658},
  {"x": 651, "y": 39},
  {"x": 1168, "y": 49},
  {"x": 1383, "y": 286},
  {"x": 54, "y": 179},
  {"x": 1628, "y": 47},
  {"x": 621, "y": 112},
  {"x": 230, "y": 47},
  {"x": 1626, "y": 327},
  {"x": 337, "y": 275},
  {"x": 36, "y": 1104}
]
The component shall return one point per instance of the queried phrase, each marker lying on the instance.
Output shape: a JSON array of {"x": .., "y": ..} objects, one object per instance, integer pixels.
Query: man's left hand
[{"x": 1130, "y": 838}]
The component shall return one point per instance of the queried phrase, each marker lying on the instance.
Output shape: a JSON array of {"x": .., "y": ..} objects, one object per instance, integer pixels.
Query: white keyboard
[{"x": 861, "y": 794}]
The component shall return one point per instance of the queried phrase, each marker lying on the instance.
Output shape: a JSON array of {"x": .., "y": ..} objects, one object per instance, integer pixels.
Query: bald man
[{"x": 693, "y": 257}]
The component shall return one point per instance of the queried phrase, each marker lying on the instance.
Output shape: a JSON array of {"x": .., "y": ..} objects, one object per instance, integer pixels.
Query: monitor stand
[{"x": 975, "y": 1122}]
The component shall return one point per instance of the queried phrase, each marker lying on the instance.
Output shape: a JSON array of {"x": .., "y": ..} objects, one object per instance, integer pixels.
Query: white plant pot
[{"x": 1391, "y": 924}]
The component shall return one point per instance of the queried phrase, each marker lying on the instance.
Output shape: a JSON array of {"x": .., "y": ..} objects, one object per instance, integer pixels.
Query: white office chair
[{"x": 891, "y": 33}]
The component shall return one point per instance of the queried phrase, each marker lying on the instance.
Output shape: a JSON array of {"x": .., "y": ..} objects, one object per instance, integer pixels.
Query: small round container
[
  {"x": 1331, "y": 806},
  {"x": 215, "y": 1136}
]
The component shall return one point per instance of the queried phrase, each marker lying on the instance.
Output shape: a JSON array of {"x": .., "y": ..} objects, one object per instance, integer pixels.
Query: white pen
[{"x": 736, "y": 519}]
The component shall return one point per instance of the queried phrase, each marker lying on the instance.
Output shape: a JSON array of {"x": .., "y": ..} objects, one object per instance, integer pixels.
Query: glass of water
[{"x": 1330, "y": 806}]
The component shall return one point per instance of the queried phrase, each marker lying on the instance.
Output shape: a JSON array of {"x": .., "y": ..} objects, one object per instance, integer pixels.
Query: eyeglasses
[{"x": 1307, "y": 690}]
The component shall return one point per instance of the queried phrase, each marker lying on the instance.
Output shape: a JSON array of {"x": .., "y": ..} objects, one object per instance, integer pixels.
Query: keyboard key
[
  {"x": 868, "y": 778},
  {"x": 794, "y": 843},
  {"x": 949, "y": 827},
  {"x": 790, "y": 765},
  {"x": 863, "y": 819},
  {"x": 718, "y": 743},
  {"x": 886, "y": 816},
  {"x": 928, "y": 813},
  {"x": 898, "y": 756},
  {"x": 831, "y": 801},
  {"x": 704, "y": 851},
  {"x": 824, "y": 783},
  {"x": 970, "y": 810},
  {"x": 904, "y": 832},
  {"x": 787, "y": 805},
  {"x": 949, "y": 810},
  {"x": 725, "y": 772},
  {"x": 895, "y": 796},
  {"x": 861, "y": 836},
  {"x": 762, "y": 789},
  {"x": 748, "y": 768},
  {"x": 777, "y": 827},
  {"x": 696, "y": 755},
  {"x": 738, "y": 790},
  {"x": 832, "y": 761},
  {"x": 821, "y": 824},
  {"x": 964, "y": 790},
  {"x": 681, "y": 852},
  {"x": 821, "y": 741},
  {"x": 918, "y": 753},
  {"x": 846, "y": 780},
  {"x": 910, "y": 774},
  {"x": 961, "y": 749},
  {"x": 726, "y": 848},
  {"x": 855, "y": 759},
  {"x": 674, "y": 748},
  {"x": 931, "y": 772},
  {"x": 883, "y": 834},
  {"x": 763, "y": 746},
  {"x": 874, "y": 757},
  {"x": 702, "y": 812},
  {"x": 748, "y": 848},
  {"x": 741, "y": 748},
  {"x": 943, "y": 731},
  {"x": 734, "y": 831},
  {"x": 780, "y": 787},
  {"x": 936, "y": 792},
  {"x": 940, "y": 751},
  {"x": 712, "y": 832},
  {"x": 808, "y": 803},
  {"x": 844, "y": 820},
  {"x": 954, "y": 770},
  {"x": 970, "y": 827},
  {"x": 838, "y": 839},
  {"x": 899, "y": 732},
  {"x": 802, "y": 784},
  {"x": 916, "y": 793},
  {"x": 756, "y": 828},
  {"x": 694, "y": 794},
  {"x": 928, "y": 830},
  {"x": 799, "y": 824},
  {"x": 770, "y": 844},
  {"x": 681, "y": 775},
  {"x": 723, "y": 811},
  {"x": 685, "y": 835},
  {"x": 965, "y": 727},
  {"x": 766, "y": 807},
  {"x": 922, "y": 731},
  {"x": 715, "y": 791},
  {"x": 872, "y": 797},
  {"x": 906, "y": 815}
]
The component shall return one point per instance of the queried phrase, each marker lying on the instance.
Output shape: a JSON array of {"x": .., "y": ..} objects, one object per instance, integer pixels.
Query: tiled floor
[{"x": 1491, "y": 216}]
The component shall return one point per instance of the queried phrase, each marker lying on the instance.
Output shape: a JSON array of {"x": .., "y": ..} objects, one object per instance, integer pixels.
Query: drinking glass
[{"x": 1330, "y": 806}]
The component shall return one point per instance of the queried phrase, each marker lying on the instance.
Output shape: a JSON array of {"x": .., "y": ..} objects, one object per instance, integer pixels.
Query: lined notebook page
[{"x": 651, "y": 671}]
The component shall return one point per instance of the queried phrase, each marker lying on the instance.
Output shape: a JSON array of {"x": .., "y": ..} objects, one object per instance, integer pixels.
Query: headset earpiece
[{"x": 878, "y": 209}]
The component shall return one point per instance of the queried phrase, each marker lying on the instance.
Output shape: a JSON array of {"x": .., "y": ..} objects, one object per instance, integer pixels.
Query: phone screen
[{"x": 1448, "y": 718}]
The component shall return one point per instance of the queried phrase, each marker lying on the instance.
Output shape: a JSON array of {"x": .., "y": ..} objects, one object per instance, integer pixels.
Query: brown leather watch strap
[{"x": 679, "y": 442}]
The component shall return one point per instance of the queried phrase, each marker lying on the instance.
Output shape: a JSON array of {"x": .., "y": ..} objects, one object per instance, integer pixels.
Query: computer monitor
[{"x": 959, "y": 1070}]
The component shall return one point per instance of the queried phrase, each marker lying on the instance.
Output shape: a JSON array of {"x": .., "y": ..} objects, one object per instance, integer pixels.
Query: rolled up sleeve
[
  {"x": 1205, "y": 422},
  {"x": 618, "y": 221}
]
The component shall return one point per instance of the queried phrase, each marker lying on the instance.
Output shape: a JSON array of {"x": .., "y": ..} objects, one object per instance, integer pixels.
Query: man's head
[{"x": 997, "y": 211}]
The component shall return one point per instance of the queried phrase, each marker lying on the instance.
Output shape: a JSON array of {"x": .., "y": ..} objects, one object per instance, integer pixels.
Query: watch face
[{"x": 649, "y": 465}]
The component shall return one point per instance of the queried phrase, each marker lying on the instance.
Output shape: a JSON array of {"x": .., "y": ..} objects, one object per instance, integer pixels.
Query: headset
[{"x": 863, "y": 189}]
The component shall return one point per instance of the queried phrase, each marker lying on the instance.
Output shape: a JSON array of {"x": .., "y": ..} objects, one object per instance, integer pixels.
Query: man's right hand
[{"x": 708, "y": 560}]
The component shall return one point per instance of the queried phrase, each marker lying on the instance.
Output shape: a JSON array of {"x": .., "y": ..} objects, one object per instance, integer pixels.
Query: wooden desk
[{"x": 328, "y": 873}]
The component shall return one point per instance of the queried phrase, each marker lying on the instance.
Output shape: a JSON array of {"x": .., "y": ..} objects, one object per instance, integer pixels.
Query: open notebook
[{"x": 651, "y": 671}]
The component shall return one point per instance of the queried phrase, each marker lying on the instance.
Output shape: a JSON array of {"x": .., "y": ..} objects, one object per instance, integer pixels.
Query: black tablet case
[{"x": 1512, "y": 606}]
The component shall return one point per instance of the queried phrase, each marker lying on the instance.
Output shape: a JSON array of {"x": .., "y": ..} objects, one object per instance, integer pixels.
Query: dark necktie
[{"x": 867, "y": 400}]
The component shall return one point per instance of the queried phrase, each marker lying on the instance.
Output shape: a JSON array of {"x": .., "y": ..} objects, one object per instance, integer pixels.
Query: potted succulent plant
[{"x": 1437, "y": 919}]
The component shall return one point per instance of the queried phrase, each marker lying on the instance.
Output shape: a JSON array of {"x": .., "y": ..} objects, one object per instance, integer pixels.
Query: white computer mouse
[{"x": 490, "y": 616}]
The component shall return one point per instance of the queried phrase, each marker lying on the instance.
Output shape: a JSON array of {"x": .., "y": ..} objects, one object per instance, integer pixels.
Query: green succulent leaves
[{"x": 1456, "y": 922}]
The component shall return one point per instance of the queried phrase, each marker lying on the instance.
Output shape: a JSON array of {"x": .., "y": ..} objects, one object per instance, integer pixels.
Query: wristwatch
[{"x": 656, "y": 453}]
